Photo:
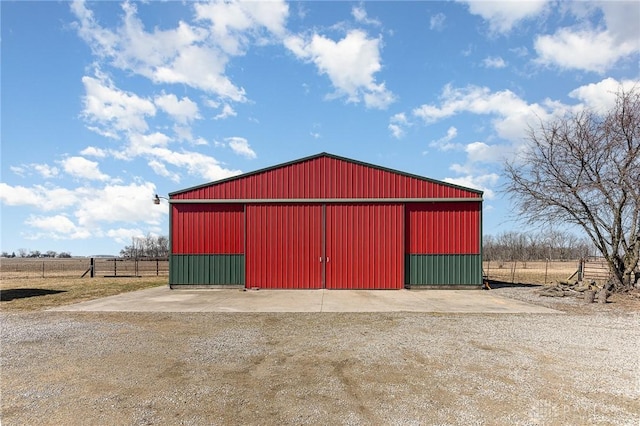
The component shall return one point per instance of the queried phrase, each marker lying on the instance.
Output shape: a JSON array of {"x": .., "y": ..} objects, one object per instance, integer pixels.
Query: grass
[
  {"x": 34, "y": 294},
  {"x": 537, "y": 272}
]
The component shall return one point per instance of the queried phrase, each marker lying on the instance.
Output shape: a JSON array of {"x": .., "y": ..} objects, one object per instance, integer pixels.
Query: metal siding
[
  {"x": 326, "y": 177},
  {"x": 443, "y": 269},
  {"x": 284, "y": 244},
  {"x": 207, "y": 229},
  {"x": 443, "y": 228},
  {"x": 206, "y": 269},
  {"x": 364, "y": 246}
]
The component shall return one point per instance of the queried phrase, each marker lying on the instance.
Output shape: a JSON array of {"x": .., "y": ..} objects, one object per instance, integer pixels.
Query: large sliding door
[
  {"x": 364, "y": 246},
  {"x": 334, "y": 246},
  {"x": 284, "y": 246}
]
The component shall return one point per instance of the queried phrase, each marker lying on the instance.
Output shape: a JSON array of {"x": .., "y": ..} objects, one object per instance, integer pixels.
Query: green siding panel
[
  {"x": 206, "y": 269},
  {"x": 443, "y": 269}
]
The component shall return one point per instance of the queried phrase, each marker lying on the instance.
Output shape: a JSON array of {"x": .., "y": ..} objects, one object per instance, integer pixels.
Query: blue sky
[{"x": 105, "y": 104}]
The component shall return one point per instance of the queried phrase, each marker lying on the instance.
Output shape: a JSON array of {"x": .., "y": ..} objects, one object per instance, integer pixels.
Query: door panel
[
  {"x": 284, "y": 246},
  {"x": 364, "y": 246}
]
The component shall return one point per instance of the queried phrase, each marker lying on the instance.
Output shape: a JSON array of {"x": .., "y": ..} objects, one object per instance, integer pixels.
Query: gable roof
[{"x": 325, "y": 175}]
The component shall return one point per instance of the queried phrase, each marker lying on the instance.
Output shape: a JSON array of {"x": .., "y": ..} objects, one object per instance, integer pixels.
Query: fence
[{"x": 76, "y": 267}]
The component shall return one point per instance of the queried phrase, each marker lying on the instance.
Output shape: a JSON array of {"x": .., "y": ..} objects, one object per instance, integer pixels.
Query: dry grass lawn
[
  {"x": 538, "y": 272},
  {"x": 33, "y": 294}
]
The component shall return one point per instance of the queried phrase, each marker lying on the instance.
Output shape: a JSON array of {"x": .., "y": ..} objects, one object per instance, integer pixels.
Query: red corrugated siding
[
  {"x": 326, "y": 177},
  {"x": 207, "y": 229},
  {"x": 364, "y": 246},
  {"x": 443, "y": 228},
  {"x": 284, "y": 246}
]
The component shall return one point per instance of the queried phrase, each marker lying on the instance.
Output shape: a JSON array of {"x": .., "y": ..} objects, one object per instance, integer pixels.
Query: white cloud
[
  {"x": 481, "y": 152},
  {"x": 241, "y": 147},
  {"x": 436, "y": 22},
  {"x": 124, "y": 235},
  {"x": 398, "y": 124},
  {"x": 605, "y": 33},
  {"x": 511, "y": 114},
  {"x": 129, "y": 203},
  {"x": 482, "y": 182},
  {"x": 502, "y": 16},
  {"x": 112, "y": 109},
  {"x": 80, "y": 167},
  {"x": 92, "y": 151},
  {"x": 494, "y": 62},
  {"x": 57, "y": 227},
  {"x": 83, "y": 211},
  {"x": 45, "y": 170},
  {"x": 183, "y": 110},
  {"x": 233, "y": 22},
  {"x": 227, "y": 111},
  {"x": 195, "y": 55},
  {"x": 444, "y": 143},
  {"x": 601, "y": 96},
  {"x": 161, "y": 170},
  {"x": 588, "y": 50},
  {"x": 350, "y": 64},
  {"x": 360, "y": 15}
]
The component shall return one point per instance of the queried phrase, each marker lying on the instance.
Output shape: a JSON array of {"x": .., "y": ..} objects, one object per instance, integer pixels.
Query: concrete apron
[{"x": 163, "y": 299}]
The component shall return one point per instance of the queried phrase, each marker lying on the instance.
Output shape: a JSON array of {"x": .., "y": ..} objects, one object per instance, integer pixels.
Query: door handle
[
  {"x": 327, "y": 260},
  {"x": 320, "y": 259}
]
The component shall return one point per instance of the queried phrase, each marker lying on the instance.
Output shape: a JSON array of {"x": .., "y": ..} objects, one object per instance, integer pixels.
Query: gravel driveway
[{"x": 320, "y": 368}]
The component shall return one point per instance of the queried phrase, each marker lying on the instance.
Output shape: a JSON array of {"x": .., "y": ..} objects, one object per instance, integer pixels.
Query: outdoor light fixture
[{"x": 156, "y": 199}]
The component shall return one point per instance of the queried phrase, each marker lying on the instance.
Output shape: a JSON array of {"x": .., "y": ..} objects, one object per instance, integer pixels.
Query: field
[
  {"x": 532, "y": 272},
  {"x": 11, "y": 268}
]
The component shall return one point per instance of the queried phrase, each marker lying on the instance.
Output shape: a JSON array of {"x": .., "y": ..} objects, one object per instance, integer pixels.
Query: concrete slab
[{"x": 163, "y": 299}]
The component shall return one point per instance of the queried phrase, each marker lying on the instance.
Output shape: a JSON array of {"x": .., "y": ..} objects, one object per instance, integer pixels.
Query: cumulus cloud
[
  {"x": 601, "y": 96},
  {"x": 57, "y": 227},
  {"x": 182, "y": 110},
  {"x": 350, "y": 64},
  {"x": 227, "y": 111},
  {"x": 85, "y": 211},
  {"x": 494, "y": 62},
  {"x": 241, "y": 147},
  {"x": 398, "y": 124},
  {"x": 192, "y": 54},
  {"x": 502, "y": 16},
  {"x": 92, "y": 151},
  {"x": 605, "y": 33},
  {"x": 80, "y": 167},
  {"x": 444, "y": 143},
  {"x": 589, "y": 50},
  {"x": 483, "y": 182},
  {"x": 114, "y": 110},
  {"x": 511, "y": 114}
]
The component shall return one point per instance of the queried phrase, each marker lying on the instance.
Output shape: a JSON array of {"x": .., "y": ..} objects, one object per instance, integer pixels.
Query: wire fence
[{"x": 11, "y": 268}]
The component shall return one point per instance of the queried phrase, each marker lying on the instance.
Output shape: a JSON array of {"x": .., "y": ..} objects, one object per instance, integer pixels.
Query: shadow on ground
[
  {"x": 22, "y": 293},
  {"x": 505, "y": 284}
]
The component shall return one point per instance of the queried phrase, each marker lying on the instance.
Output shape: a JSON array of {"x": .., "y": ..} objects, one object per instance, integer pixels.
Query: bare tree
[{"x": 584, "y": 170}]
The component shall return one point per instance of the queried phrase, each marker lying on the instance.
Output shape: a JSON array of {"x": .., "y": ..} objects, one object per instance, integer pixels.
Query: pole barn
[{"x": 325, "y": 222}]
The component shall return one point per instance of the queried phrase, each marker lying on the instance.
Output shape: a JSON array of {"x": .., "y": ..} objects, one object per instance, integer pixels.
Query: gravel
[{"x": 321, "y": 368}]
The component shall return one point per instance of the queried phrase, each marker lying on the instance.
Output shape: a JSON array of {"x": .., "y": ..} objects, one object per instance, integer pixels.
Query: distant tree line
[
  {"x": 24, "y": 253},
  {"x": 147, "y": 246},
  {"x": 529, "y": 246}
]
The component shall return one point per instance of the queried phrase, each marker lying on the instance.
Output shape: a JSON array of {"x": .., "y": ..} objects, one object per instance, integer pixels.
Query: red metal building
[{"x": 326, "y": 222}]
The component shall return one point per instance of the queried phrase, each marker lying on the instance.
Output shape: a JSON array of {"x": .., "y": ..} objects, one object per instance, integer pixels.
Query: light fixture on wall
[{"x": 156, "y": 199}]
